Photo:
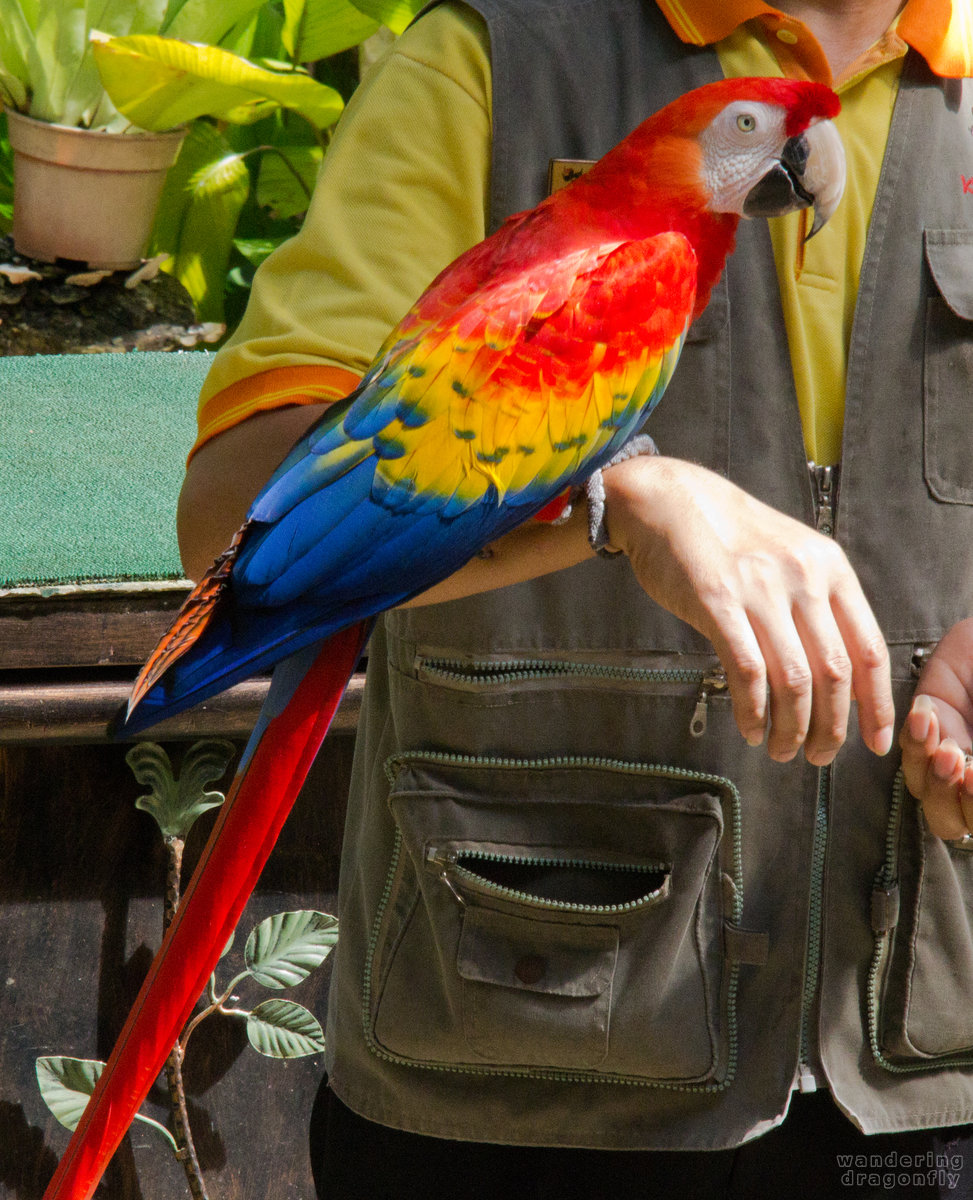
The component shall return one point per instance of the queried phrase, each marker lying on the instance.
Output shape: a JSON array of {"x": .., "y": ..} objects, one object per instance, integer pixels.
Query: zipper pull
[
  {"x": 444, "y": 862},
  {"x": 824, "y": 489},
  {"x": 920, "y": 655},
  {"x": 713, "y": 681}
]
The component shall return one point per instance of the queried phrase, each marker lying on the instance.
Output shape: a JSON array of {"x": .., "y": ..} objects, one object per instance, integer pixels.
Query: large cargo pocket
[
  {"x": 560, "y": 917},
  {"x": 948, "y": 369},
  {"x": 920, "y": 1015}
]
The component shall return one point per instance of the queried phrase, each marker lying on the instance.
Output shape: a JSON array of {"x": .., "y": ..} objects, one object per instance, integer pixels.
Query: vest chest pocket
[
  {"x": 948, "y": 368},
  {"x": 562, "y": 918}
]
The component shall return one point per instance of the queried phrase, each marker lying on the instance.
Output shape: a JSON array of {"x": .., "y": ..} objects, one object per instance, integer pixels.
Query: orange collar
[{"x": 941, "y": 30}]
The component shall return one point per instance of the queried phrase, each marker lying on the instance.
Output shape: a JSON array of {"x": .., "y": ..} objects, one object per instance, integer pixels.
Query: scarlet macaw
[{"x": 525, "y": 366}]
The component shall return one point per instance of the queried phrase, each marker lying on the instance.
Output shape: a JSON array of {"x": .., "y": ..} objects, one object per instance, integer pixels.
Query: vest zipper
[
  {"x": 806, "y": 1080},
  {"x": 824, "y": 490},
  {"x": 501, "y": 673}
]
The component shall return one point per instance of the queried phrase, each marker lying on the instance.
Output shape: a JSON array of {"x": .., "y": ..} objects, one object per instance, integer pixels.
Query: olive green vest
[{"x": 576, "y": 907}]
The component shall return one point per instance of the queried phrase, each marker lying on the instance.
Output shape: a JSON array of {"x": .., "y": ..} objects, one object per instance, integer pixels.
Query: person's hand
[
  {"x": 937, "y": 733},
  {"x": 779, "y": 602}
]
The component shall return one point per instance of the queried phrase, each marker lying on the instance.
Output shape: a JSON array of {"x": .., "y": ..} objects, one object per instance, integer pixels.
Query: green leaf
[
  {"x": 396, "y": 14},
  {"x": 177, "y": 804},
  {"x": 121, "y": 17},
  {"x": 159, "y": 83},
  {"x": 283, "y": 1029},
  {"x": 66, "y": 1085},
  {"x": 284, "y": 949},
  {"x": 16, "y": 38},
  {"x": 316, "y": 29},
  {"x": 55, "y": 57},
  {"x": 208, "y": 20},
  {"x": 12, "y": 92},
  {"x": 255, "y": 250},
  {"x": 6, "y": 178},
  {"x": 204, "y": 144},
  {"x": 286, "y": 180},
  {"x": 217, "y": 194}
]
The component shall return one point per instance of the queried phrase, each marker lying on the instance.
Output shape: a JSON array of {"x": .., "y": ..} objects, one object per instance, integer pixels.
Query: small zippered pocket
[
  {"x": 560, "y": 918},
  {"x": 482, "y": 675},
  {"x": 564, "y": 884}
]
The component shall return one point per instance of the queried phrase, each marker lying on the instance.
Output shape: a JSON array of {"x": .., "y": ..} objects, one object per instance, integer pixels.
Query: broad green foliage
[
  {"x": 207, "y": 21},
  {"x": 396, "y": 14},
  {"x": 46, "y": 66},
  {"x": 315, "y": 31},
  {"x": 221, "y": 66},
  {"x": 159, "y": 83},
  {"x": 6, "y": 178}
]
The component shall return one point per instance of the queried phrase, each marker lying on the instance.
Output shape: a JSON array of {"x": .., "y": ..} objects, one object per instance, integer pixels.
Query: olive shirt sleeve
[{"x": 403, "y": 190}]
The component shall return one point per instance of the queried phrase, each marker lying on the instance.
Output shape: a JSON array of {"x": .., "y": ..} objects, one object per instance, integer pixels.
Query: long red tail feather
[{"x": 250, "y": 820}]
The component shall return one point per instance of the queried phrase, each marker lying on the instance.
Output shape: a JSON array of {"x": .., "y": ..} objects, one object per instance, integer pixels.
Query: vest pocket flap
[
  {"x": 949, "y": 253},
  {"x": 536, "y": 956}
]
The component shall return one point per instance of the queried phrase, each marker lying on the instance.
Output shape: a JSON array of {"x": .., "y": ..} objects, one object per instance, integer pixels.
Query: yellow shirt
[{"x": 391, "y": 209}]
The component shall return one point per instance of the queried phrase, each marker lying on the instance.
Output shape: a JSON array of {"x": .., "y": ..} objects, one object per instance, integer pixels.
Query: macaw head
[
  {"x": 774, "y": 149},
  {"x": 752, "y": 147}
]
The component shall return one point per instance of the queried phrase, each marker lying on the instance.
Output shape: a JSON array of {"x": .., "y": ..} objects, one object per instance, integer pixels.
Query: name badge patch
[{"x": 562, "y": 171}]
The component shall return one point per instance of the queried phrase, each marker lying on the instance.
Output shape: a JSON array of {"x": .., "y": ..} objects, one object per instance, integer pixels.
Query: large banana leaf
[
  {"x": 396, "y": 14},
  {"x": 316, "y": 29},
  {"x": 159, "y": 83},
  {"x": 205, "y": 191},
  {"x": 286, "y": 179},
  {"x": 206, "y": 20}
]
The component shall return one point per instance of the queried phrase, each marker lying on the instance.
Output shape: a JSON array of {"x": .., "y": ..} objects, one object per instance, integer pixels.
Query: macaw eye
[{"x": 746, "y": 122}]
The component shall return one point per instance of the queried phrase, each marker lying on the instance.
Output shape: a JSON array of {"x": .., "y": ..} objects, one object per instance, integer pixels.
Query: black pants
[{"x": 813, "y": 1154}]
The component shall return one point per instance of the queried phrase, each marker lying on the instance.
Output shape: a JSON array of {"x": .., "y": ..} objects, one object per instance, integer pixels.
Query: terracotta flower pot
[{"x": 85, "y": 194}]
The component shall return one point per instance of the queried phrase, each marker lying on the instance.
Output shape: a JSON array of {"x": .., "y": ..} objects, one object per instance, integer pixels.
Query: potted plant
[
  {"x": 87, "y": 177},
  {"x": 258, "y": 129},
  {"x": 86, "y": 183}
]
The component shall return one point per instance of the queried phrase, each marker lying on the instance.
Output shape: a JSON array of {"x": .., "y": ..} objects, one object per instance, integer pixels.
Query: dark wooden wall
[{"x": 81, "y": 879}]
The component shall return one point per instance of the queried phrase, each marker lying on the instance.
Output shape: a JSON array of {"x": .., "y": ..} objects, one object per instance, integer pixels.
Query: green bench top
[{"x": 92, "y": 452}]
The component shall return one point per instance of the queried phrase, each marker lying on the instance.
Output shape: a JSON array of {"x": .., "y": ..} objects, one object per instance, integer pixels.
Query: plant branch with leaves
[{"x": 280, "y": 952}]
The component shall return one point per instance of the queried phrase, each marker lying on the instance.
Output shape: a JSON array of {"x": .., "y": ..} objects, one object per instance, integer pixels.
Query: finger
[
  {"x": 966, "y": 792},
  {"x": 789, "y": 679},
  {"x": 918, "y": 739},
  {"x": 831, "y": 682},
  {"x": 739, "y": 652},
  {"x": 870, "y": 668},
  {"x": 940, "y": 795}
]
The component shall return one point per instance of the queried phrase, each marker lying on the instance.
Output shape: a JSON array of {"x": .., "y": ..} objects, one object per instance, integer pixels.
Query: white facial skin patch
[{"x": 740, "y": 146}]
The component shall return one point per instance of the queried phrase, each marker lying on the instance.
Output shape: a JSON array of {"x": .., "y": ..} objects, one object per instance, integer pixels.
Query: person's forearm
[{"x": 225, "y": 476}]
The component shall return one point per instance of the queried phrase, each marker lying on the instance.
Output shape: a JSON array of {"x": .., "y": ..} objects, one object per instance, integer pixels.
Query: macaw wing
[{"x": 486, "y": 416}]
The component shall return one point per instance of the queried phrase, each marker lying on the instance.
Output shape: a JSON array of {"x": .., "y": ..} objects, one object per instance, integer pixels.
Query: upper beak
[{"x": 810, "y": 171}]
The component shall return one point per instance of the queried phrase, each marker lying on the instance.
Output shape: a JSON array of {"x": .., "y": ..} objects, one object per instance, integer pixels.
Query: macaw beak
[{"x": 809, "y": 173}]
